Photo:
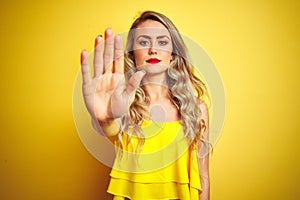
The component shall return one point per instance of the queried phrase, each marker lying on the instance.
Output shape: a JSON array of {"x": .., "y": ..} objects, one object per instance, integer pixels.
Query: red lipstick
[{"x": 153, "y": 61}]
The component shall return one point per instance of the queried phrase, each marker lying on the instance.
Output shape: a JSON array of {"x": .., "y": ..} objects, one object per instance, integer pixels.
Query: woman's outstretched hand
[{"x": 106, "y": 94}]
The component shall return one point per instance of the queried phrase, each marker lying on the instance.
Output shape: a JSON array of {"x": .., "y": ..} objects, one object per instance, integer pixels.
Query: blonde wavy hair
[{"x": 186, "y": 90}]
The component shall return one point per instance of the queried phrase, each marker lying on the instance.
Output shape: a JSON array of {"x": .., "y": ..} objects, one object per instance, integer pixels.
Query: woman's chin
[{"x": 153, "y": 69}]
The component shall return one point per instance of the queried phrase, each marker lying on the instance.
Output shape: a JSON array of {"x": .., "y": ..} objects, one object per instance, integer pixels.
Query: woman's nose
[{"x": 152, "y": 50}]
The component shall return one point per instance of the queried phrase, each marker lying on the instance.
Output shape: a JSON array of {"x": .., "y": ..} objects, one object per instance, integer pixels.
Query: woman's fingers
[
  {"x": 98, "y": 56},
  {"x": 103, "y": 61},
  {"x": 85, "y": 68},
  {"x": 134, "y": 82},
  {"x": 118, "y": 55},
  {"x": 108, "y": 50}
]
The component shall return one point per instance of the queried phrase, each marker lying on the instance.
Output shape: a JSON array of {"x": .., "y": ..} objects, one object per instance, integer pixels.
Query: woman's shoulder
[
  {"x": 202, "y": 104},
  {"x": 204, "y": 109}
]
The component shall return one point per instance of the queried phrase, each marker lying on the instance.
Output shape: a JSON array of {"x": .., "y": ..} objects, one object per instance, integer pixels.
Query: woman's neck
[
  {"x": 156, "y": 87},
  {"x": 156, "y": 91}
]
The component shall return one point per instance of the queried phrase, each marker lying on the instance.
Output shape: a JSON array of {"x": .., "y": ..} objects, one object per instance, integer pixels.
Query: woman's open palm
[{"x": 106, "y": 94}]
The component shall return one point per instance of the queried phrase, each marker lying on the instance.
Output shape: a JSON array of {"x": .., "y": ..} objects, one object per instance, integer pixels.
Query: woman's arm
[
  {"x": 109, "y": 128},
  {"x": 204, "y": 162},
  {"x": 204, "y": 178}
]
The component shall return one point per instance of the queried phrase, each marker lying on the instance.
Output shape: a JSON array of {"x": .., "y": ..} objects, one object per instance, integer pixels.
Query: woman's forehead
[
  {"x": 151, "y": 28},
  {"x": 152, "y": 32}
]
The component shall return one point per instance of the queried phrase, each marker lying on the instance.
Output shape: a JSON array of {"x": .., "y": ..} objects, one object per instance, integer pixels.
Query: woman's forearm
[{"x": 205, "y": 184}]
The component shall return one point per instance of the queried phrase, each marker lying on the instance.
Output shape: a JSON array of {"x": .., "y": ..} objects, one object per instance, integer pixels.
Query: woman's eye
[
  {"x": 144, "y": 43},
  {"x": 163, "y": 43}
]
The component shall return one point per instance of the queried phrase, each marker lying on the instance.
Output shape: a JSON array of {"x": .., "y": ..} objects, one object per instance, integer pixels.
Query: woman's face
[{"x": 152, "y": 47}]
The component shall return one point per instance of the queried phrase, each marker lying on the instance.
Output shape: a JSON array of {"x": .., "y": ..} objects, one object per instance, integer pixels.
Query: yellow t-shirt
[{"x": 166, "y": 168}]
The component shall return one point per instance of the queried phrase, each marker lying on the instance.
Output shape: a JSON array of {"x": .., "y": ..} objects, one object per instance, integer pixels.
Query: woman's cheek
[{"x": 139, "y": 57}]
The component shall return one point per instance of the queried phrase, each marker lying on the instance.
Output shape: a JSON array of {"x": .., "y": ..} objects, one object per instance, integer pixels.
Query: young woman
[{"x": 149, "y": 103}]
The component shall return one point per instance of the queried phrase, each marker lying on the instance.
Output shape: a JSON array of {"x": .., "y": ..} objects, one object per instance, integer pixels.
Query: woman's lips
[{"x": 153, "y": 61}]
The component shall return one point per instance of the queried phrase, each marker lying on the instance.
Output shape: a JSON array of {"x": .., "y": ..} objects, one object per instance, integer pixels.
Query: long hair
[{"x": 186, "y": 90}]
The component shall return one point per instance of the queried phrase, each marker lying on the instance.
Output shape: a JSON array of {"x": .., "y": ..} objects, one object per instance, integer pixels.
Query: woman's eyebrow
[
  {"x": 144, "y": 36},
  {"x": 148, "y": 37},
  {"x": 162, "y": 36}
]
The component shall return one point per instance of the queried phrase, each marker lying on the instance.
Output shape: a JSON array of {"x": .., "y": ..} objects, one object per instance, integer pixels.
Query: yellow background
[{"x": 255, "y": 45}]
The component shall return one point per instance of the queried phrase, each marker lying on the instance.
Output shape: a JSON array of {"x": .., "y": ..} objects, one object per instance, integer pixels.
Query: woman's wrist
[{"x": 108, "y": 127}]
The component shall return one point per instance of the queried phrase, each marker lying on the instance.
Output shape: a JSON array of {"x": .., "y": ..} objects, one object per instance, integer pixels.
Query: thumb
[{"x": 134, "y": 83}]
